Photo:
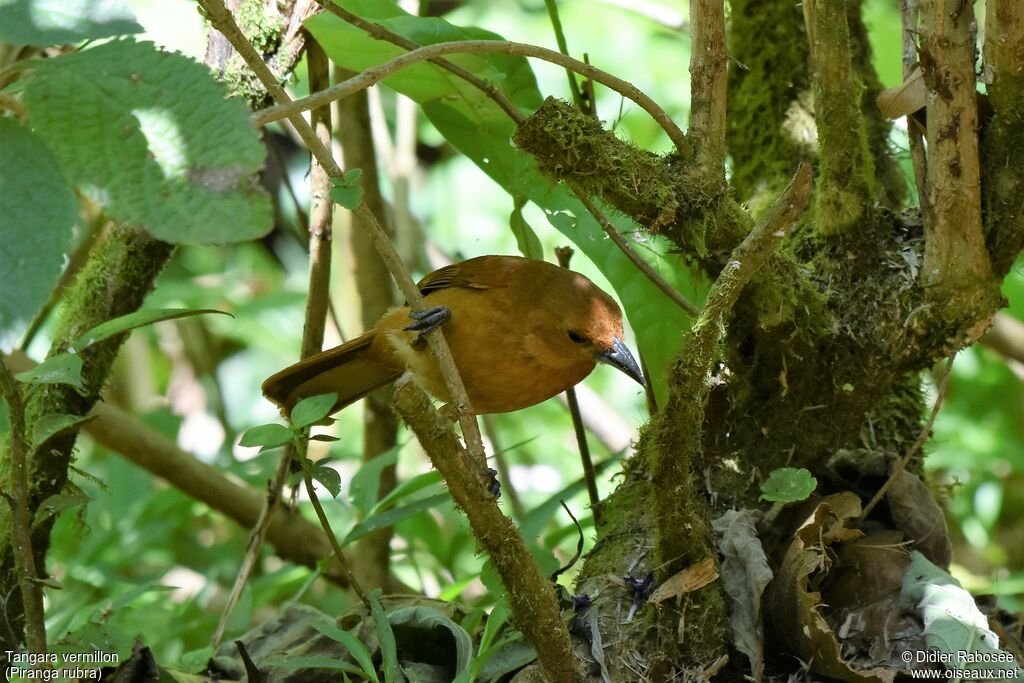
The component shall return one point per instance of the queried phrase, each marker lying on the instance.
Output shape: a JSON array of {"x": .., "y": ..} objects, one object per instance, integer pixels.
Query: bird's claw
[
  {"x": 428, "y": 320},
  {"x": 491, "y": 480}
]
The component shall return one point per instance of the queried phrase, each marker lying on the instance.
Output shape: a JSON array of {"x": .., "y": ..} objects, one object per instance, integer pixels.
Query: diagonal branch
[{"x": 287, "y": 108}]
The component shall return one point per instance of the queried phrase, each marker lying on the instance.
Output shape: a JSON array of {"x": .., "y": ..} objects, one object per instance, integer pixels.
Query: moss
[{"x": 766, "y": 39}]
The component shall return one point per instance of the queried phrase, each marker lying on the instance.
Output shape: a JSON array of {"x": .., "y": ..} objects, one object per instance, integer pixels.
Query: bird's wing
[{"x": 485, "y": 272}]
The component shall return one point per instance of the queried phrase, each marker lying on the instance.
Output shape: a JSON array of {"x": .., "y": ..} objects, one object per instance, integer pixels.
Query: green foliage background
[{"x": 143, "y": 560}]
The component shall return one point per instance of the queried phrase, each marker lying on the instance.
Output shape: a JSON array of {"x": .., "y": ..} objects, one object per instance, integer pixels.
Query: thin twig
[
  {"x": 225, "y": 23},
  {"x": 919, "y": 161},
  {"x": 564, "y": 254},
  {"x": 317, "y": 302},
  {"x": 381, "y": 33},
  {"x": 563, "y": 47},
  {"x": 621, "y": 243},
  {"x": 331, "y": 538},
  {"x": 377, "y": 73},
  {"x": 21, "y": 521},
  {"x": 914, "y": 447}
]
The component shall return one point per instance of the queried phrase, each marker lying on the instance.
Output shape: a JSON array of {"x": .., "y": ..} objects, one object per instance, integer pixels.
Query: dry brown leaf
[
  {"x": 905, "y": 98},
  {"x": 688, "y": 580}
]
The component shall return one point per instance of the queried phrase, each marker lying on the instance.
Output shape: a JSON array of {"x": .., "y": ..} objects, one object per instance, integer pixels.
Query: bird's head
[{"x": 585, "y": 325}]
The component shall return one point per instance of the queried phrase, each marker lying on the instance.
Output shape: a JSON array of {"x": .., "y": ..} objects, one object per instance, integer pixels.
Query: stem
[
  {"x": 621, "y": 243},
  {"x": 21, "y": 519},
  {"x": 377, "y": 73},
  {"x": 563, "y": 47},
  {"x": 708, "y": 61}
]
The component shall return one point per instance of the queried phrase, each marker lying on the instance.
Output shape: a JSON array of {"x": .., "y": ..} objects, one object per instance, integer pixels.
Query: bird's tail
[{"x": 351, "y": 370}]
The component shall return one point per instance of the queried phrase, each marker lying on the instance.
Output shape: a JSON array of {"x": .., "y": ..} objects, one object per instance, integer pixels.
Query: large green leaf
[
  {"x": 151, "y": 136},
  {"x": 38, "y": 211},
  {"x": 56, "y": 22},
  {"x": 483, "y": 132}
]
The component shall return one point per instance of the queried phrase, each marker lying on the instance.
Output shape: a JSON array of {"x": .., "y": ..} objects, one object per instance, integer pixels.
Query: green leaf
[
  {"x": 316, "y": 663},
  {"x": 328, "y": 478},
  {"x": 268, "y": 436},
  {"x": 324, "y": 437},
  {"x": 478, "y": 128},
  {"x": 152, "y": 137},
  {"x": 347, "y": 192},
  {"x": 393, "y": 516},
  {"x": 53, "y": 425},
  {"x": 526, "y": 239},
  {"x": 56, "y": 504},
  {"x": 365, "y": 484},
  {"x": 423, "y": 624},
  {"x": 386, "y": 639},
  {"x": 38, "y": 210},
  {"x": 57, "y": 22},
  {"x": 131, "y": 321},
  {"x": 411, "y": 486},
  {"x": 313, "y": 409},
  {"x": 64, "y": 368},
  {"x": 355, "y": 647},
  {"x": 788, "y": 485}
]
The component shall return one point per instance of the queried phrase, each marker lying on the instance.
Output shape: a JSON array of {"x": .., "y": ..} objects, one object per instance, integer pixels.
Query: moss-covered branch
[
  {"x": 1003, "y": 151},
  {"x": 115, "y": 281},
  {"x": 708, "y": 60},
  {"x": 846, "y": 186},
  {"x": 535, "y": 609}
]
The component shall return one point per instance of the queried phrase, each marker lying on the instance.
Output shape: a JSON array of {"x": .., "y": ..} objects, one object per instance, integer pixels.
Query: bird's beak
[{"x": 619, "y": 356}]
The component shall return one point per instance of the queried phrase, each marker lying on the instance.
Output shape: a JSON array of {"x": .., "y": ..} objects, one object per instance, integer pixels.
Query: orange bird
[{"x": 520, "y": 330}]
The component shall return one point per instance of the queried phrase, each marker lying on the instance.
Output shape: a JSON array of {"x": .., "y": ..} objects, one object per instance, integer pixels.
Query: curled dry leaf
[
  {"x": 794, "y": 603},
  {"x": 918, "y": 515},
  {"x": 905, "y": 98}
]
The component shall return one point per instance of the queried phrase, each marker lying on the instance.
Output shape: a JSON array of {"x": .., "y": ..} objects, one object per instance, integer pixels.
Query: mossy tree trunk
[{"x": 819, "y": 365}]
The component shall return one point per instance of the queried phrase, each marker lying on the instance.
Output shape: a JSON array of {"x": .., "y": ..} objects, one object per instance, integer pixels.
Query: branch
[
  {"x": 381, "y": 33},
  {"x": 225, "y": 23},
  {"x": 644, "y": 267},
  {"x": 533, "y": 600},
  {"x": 377, "y": 73},
  {"x": 16, "y": 493},
  {"x": 317, "y": 303},
  {"x": 708, "y": 61},
  {"x": 695, "y": 369},
  {"x": 919, "y": 161},
  {"x": 955, "y": 253},
  {"x": 846, "y": 182},
  {"x": 1004, "y": 58}
]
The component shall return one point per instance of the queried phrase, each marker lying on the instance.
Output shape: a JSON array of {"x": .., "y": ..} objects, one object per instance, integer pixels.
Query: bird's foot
[
  {"x": 492, "y": 483},
  {"x": 428, "y": 320}
]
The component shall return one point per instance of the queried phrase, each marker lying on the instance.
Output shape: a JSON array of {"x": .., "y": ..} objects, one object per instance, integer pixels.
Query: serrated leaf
[
  {"x": 53, "y": 425},
  {"x": 355, "y": 647},
  {"x": 131, "y": 321},
  {"x": 267, "y": 436},
  {"x": 788, "y": 485},
  {"x": 56, "y": 504},
  {"x": 64, "y": 368},
  {"x": 58, "y": 22},
  {"x": 311, "y": 410},
  {"x": 38, "y": 211},
  {"x": 393, "y": 516},
  {"x": 526, "y": 239},
  {"x": 151, "y": 136},
  {"x": 478, "y": 128},
  {"x": 329, "y": 478}
]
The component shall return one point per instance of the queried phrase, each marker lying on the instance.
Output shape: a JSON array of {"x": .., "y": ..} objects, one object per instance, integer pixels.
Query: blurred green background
[{"x": 143, "y": 559}]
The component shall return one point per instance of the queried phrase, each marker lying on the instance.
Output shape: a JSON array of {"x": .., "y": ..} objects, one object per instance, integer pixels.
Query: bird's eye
[{"x": 576, "y": 337}]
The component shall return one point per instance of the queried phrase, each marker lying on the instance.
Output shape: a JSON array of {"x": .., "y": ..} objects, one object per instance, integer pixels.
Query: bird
[{"x": 520, "y": 331}]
